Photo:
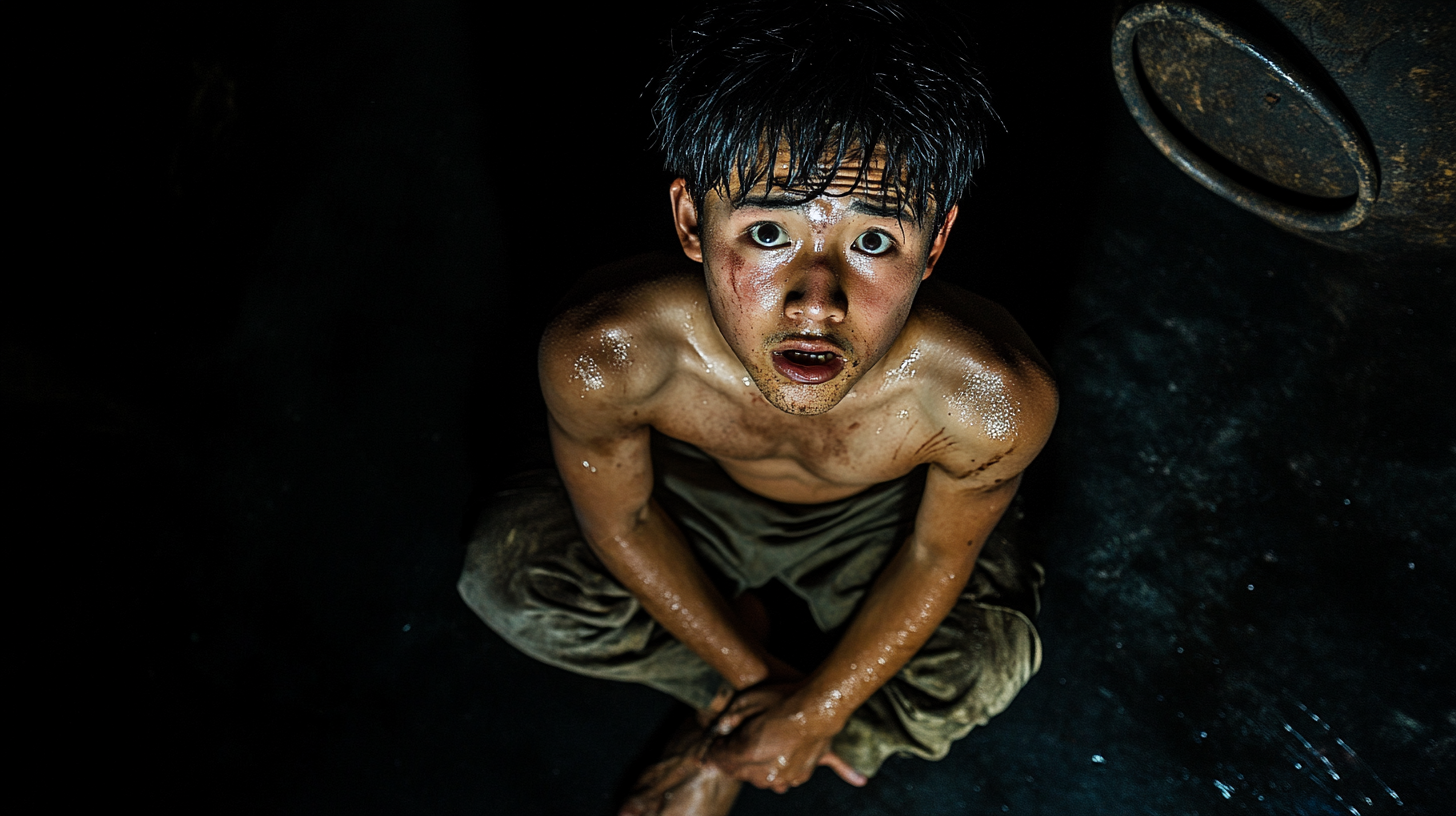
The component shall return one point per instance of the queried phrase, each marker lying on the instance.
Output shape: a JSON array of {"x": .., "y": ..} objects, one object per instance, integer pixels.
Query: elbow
[{"x": 616, "y": 531}]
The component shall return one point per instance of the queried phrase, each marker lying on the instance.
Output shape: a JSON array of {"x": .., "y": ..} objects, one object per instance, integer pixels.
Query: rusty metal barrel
[{"x": 1334, "y": 121}]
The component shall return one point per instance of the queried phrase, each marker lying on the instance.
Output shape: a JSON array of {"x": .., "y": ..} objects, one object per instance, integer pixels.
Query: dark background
[{"x": 272, "y": 335}]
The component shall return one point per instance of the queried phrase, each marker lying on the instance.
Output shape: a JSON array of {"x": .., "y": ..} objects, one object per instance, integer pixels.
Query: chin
[{"x": 804, "y": 400}]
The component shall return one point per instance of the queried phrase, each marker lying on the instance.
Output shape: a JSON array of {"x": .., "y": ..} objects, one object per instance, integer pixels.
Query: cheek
[
  {"x": 881, "y": 291},
  {"x": 746, "y": 283}
]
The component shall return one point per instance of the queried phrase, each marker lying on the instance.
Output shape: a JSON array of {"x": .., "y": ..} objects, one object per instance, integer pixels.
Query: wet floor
[{"x": 292, "y": 340}]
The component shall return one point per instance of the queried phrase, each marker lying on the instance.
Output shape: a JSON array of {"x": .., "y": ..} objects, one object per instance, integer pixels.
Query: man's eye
[
  {"x": 873, "y": 243},
  {"x": 768, "y": 235}
]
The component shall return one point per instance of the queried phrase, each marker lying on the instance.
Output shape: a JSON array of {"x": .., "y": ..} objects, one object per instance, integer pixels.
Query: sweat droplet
[
  {"x": 618, "y": 344},
  {"x": 587, "y": 371},
  {"x": 906, "y": 368},
  {"x": 983, "y": 398}
]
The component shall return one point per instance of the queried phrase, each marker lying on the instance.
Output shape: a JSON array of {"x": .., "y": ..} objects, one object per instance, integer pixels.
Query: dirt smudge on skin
[
  {"x": 908, "y": 431},
  {"x": 735, "y": 266},
  {"x": 989, "y": 462},
  {"x": 934, "y": 444}
]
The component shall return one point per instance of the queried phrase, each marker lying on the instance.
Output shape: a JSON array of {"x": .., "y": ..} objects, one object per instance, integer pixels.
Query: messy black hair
[{"x": 827, "y": 81}]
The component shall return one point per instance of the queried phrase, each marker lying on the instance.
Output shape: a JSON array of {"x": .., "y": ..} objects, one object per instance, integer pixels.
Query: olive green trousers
[{"x": 534, "y": 580}]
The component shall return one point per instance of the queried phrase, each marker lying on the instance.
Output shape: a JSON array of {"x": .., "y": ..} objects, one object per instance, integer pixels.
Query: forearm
[
  {"x": 609, "y": 480},
  {"x": 781, "y": 733},
  {"x": 911, "y": 597},
  {"x": 653, "y": 560}
]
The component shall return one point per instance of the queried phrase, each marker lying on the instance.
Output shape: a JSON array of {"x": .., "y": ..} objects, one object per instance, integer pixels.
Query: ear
[
  {"x": 685, "y": 218},
  {"x": 938, "y": 245}
]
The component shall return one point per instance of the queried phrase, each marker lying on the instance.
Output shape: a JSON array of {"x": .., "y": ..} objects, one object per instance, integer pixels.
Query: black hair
[{"x": 826, "y": 80}]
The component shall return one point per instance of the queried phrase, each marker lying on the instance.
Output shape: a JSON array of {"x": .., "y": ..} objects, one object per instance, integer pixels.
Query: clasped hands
[
  {"x": 755, "y": 737},
  {"x": 769, "y": 737}
]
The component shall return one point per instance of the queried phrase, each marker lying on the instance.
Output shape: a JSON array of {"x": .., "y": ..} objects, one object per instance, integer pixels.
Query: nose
[{"x": 815, "y": 296}]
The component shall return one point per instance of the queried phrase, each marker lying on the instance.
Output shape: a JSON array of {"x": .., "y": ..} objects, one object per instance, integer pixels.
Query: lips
[{"x": 808, "y": 365}]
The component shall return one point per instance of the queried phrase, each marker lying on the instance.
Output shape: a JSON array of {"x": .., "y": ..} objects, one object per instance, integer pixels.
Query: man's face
[{"x": 809, "y": 294}]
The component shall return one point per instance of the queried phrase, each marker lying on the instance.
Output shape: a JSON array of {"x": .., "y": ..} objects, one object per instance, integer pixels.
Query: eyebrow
[
  {"x": 893, "y": 211},
  {"x": 858, "y": 205}
]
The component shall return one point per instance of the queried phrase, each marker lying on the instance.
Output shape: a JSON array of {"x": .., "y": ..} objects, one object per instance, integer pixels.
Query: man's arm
[
  {"x": 642, "y": 547},
  {"x": 785, "y": 731},
  {"x": 600, "y": 404}
]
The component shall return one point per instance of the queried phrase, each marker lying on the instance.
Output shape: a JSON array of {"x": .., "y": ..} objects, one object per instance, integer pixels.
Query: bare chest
[{"x": 865, "y": 440}]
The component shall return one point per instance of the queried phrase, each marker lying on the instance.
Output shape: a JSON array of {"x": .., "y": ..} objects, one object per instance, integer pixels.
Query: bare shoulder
[
  {"x": 611, "y": 345},
  {"x": 984, "y": 381}
]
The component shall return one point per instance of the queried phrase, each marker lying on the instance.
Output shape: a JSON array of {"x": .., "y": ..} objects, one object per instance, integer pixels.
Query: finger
[
  {"x": 750, "y": 772},
  {"x": 754, "y": 777},
  {"x": 844, "y": 769},
  {"x": 725, "y": 724},
  {"x": 775, "y": 780},
  {"x": 743, "y": 707},
  {"x": 755, "y": 700}
]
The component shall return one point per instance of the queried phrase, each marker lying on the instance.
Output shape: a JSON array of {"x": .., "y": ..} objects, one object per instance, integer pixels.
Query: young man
[{"x": 798, "y": 408}]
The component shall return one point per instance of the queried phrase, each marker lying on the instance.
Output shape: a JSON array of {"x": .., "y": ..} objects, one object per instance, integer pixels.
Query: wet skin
[
  {"x": 808, "y": 360},
  {"x": 781, "y": 275}
]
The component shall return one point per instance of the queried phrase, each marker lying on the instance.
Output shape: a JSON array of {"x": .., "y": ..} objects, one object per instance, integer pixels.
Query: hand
[{"x": 767, "y": 742}]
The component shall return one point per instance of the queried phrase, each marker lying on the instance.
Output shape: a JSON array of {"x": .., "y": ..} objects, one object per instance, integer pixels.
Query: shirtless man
[{"x": 797, "y": 404}]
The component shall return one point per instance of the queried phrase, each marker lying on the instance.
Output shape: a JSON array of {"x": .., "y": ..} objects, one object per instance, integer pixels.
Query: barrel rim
[{"x": 1130, "y": 80}]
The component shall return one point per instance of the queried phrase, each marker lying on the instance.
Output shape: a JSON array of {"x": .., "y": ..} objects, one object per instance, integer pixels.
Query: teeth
[{"x": 809, "y": 357}]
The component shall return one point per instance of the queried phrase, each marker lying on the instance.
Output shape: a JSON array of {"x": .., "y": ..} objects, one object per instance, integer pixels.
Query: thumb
[{"x": 844, "y": 769}]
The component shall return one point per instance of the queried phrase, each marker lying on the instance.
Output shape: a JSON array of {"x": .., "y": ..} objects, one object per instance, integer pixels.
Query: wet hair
[{"x": 824, "y": 80}]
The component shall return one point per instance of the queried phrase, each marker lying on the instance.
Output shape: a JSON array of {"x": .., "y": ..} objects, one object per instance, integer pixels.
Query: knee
[
  {"x": 520, "y": 529},
  {"x": 486, "y": 587},
  {"x": 975, "y": 667},
  {"x": 544, "y": 592}
]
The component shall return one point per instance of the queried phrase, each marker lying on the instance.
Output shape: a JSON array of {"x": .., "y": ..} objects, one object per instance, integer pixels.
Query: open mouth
[{"x": 808, "y": 366}]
